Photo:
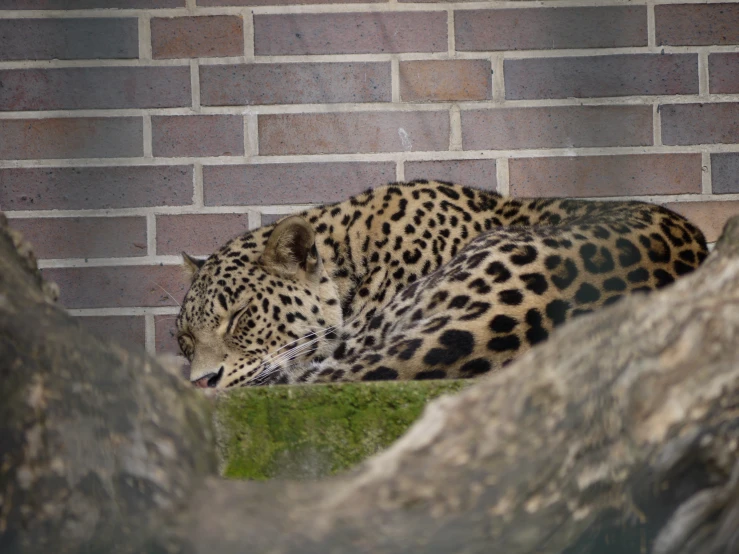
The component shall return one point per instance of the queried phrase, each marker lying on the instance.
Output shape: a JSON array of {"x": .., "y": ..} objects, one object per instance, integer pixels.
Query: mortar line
[
  {"x": 703, "y": 79},
  {"x": 651, "y": 25},
  {"x": 255, "y": 220},
  {"x": 251, "y": 136},
  {"x": 706, "y": 174},
  {"x": 197, "y": 185},
  {"x": 142, "y": 261},
  {"x": 149, "y": 334},
  {"x": 656, "y": 125},
  {"x": 375, "y": 57},
  {"x": 195, "y": 85},
  {"x": 451, "y": 36},
  {"x": 151, "y": 235},
  {"x": 395, "y": 79},
  {"x": 145, "y": 37},
  {"x": 498, "y": 79},
  {"x": 148, "y": 135},
  {"x": 122, "y": 312},
  {"x": 455, "y": 129},
  {"x": 502, "y": 176},
  {"x": 248, "y": 32},
  {"x": 400, "y": 170}
]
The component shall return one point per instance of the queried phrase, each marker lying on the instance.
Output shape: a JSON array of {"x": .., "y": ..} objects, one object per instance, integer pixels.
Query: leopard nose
[{"x": 209, "y": 381}]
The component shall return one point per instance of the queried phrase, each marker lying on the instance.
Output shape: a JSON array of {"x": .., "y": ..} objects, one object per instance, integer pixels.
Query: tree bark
[
  {"x": 98, "y": 445},
  {"x": 619, "y": 434}
]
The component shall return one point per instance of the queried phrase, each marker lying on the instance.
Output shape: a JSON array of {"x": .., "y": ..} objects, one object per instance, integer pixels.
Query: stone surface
[
  {"x": 473, "y": 173},
  {"x": 336, "y": 133},
  {"x": 556, "y": 127},
  {"x": 90, "y": 137},
  {"x": 349, "y": 33},
  {"x": 723, "y": 73},
  {"x": 606, "y": 175},
  {"x": 68, "y": 38},
  {"x": 445, "y": 80},
  {"x": 127, "y": 331},
  {"x": 599, "y": 76},
  {"x": 119, "y": 286},
  {"x": 696, "y": 24},
  {"x": 80, "y": 188},
  {"x": 91, "y": 88},
  {"x": 550, "y": 28},
  {"x": 700, "y": 123},
  {"x": 197, "y": 234},
  {"x": 197, "y": 37},
  {"x": 292, "y": 83},
  {"x": 197, "y": 135},
  {"x": 725, "y": 173},
  {"x": 291, "y": 183},
  {"x": 84, "y": 237}
]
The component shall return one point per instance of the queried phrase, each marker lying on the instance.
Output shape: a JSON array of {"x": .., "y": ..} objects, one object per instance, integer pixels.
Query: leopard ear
[
  {"x": 290, "y": 247},
  {"x": 191, "y": 265}
]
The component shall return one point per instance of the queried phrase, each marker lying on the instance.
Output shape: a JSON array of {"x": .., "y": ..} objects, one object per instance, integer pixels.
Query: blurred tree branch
[{"x": 619, "y": 434}]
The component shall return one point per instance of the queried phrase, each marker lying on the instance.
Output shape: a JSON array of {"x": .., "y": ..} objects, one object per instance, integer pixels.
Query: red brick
[
  {"x": 723, "y": 73},
  {"x": 557, "y": 127},
  {"x": 90, "y": 137},
  {"x": 473, "y": 173},
  {"x": 724, "y": 171},
  {"x": 550, "y": 28},
  {"x": 198, "y": 234},
  {"x": 197, "y": 37},
  {"x": 697, "y": 24},
  {"x": 128, "y": 331},
  {"x": 445, "y": 80},
  {"x": 68, "y": 38},
  {"x": 350, "y": 33},
  {"x": 710, "y": 217},
  {"x": 84, "y": 237},
  {"x": 291, "y": 183},
  {"x": 85, "y": 188},
  {"x": 598, "y": 76},
  {"x": 268, "y": 219},
  {"x": 293, "y": 83},
  {"x": 281, "y": 2},
  {"x": 700, "y": 123},
  {"x": 198, "y": 135},
  {"x": 353, "y": 132},
  {"x": 79, "y": 88},
  {"x": 119, "y": 287},
  {"x": 165, "y": 335},
  {"x": 89, "y": 4},
  {"x": 606, "y": 175}
]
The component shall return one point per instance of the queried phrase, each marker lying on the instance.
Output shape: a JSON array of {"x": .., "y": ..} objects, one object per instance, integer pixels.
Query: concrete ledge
[{"x": 309, "y": 431}]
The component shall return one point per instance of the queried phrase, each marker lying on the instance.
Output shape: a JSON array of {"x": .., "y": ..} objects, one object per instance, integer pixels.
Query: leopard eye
[
  {"x": 186, "y": 346},
  {"x": 234, "y": 321}
]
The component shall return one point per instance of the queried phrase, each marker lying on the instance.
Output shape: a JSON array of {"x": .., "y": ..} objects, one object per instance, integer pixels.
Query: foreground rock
[{"x": 620, "y": 434}]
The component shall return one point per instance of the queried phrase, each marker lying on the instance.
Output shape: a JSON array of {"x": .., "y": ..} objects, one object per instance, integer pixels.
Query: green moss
[{"x": 310, "y": 431}]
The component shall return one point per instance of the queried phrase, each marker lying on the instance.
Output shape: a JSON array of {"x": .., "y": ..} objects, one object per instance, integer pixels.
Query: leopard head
[{"x": 261, "y": 303}]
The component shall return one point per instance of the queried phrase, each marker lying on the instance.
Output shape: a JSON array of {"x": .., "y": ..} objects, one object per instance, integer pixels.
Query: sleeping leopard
[{"x": 418, "y": 280}]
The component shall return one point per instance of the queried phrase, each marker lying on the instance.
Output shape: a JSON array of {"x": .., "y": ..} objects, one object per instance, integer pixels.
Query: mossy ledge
[{"x": 310, "y": 431}]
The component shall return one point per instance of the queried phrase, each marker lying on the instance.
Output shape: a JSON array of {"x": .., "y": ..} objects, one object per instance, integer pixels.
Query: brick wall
[{"x": 133, "y": 129}]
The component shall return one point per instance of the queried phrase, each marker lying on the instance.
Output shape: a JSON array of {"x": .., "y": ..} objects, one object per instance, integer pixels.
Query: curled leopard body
[{"x": 419, "y": 280}]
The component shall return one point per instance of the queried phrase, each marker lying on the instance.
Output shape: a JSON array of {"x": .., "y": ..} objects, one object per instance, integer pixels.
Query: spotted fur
[{"x": 420, "y": 280}]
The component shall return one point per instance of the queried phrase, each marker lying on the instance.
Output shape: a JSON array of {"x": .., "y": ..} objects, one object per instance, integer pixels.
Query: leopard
[{"x": 418, "y": 280}]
